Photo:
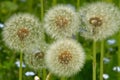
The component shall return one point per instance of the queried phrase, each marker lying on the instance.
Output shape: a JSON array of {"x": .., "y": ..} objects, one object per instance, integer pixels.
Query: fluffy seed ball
[
  {"x": 22, "y": 31},
  {"x": 99, "y": 20},
  {"x": 65, "y": 58},
  {"x": 34, "y": 56},
  {"x": 35, "y": 60},
  {"x": 61, "y": 21}
]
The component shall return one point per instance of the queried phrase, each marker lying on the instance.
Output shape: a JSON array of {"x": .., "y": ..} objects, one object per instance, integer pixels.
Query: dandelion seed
[{"x": 65, "y": 58}]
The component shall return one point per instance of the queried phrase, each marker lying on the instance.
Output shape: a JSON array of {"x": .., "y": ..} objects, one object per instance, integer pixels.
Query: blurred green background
[{"x": 9, "y": 59}]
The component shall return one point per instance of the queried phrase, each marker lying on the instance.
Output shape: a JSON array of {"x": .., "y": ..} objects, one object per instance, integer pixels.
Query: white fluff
[
  {"x": 23, "y": 20},
  {"x": 67, "y": 13},
  {"x": 74, "y": 65},
  {"x": 110, "y": 20}
]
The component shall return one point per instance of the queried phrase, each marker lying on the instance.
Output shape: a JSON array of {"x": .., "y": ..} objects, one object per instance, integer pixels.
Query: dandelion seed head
[
  {"x": 35, "y": 60},
  {"x": 22, "y": 31},
  {"x": 99, "y": 20},
  {"x": 65, "y": 58},
  {"x": 61, "y": 21}
]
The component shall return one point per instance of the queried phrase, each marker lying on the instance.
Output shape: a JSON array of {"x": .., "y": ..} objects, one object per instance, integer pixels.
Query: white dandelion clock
[
  {"x": 21, "y": 31},
  {"x": 65, "y": 58},
  {"x": 61, "y": 21},
  {"x": 99, "y": 20},
  {"x": 35, "y": 60},
  {"x": 34, "y": 56}
]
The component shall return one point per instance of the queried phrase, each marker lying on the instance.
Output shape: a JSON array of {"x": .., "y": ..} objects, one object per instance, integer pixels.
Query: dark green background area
[{"x": 8, "y": 57}]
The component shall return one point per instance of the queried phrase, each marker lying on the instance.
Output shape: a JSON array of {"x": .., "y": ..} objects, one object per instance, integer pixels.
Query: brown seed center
[
  {"x": 39, "y": 55},
  {"x": 22, "y": 33},
  {"x": 95, "y": 21},
  {"x": 65, "y": 57},
  {"x": 61, "y": 21}
]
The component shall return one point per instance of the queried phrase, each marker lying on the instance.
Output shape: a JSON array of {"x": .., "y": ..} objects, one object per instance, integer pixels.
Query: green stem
[
  {"x": 42, "y": 9},
  {"x": 101, "y": 59},
  {"x": 118, "y": 54},
  {"x": 44, "y": 74},
  {"x": 94, "y": 60},
  {"x": 109, "y": 1},
  {"x": 30, "y": 2},
  {"x": 20, "y": 69},
  {"x": 42, "y": 14},
  {"x": 78, "y": 4},
  {"x": 54, "y": 2},
  {"x": 63, "y": 78},
  {"x": 14, "y": 1}
]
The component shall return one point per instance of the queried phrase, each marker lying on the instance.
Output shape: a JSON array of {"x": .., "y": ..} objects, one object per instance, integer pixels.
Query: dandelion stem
[
  {"x": 54, "y": 2},
  {"x": 94, "y": 60},
  {"x": 14, "y": 1},
  {"x": 42, "y": 9},
  {"x": 20, "y": 69},
  {"x": 44, "y": 74},
  {"x": 109, "y": 1},
  {"x": 63, "y": 78},
  {"x": 118, "y": 54},
  {"x": 78, "y": 4},
  {"x": 42, "y": 14},
  {"x": 48, "y": 76},
  {"x": 30, "y": 5},
  {"x": 101, "y": 59}
]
